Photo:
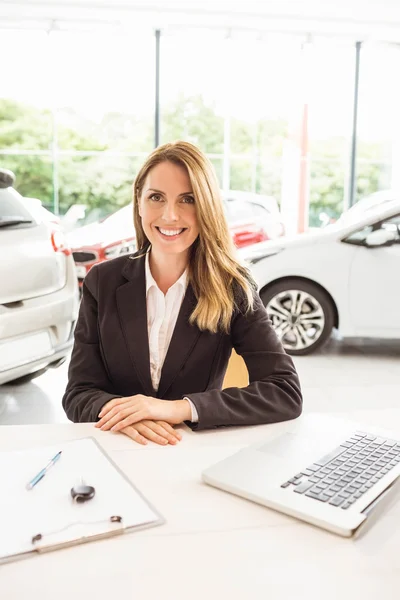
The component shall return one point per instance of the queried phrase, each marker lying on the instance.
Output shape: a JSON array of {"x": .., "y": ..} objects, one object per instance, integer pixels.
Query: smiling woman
[
  {"x": 156, "y": 328},
  {"x": 180, "y": 182},
  {"x": 168, "y": 215}
]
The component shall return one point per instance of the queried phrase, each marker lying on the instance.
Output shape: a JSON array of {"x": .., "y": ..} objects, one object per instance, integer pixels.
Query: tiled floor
[{"x": 343, "y": 376}]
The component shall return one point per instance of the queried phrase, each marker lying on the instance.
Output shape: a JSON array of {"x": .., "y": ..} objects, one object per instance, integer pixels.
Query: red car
[
  {"x": 97, "y": 242},
  {"x": 252, "y": 218}
]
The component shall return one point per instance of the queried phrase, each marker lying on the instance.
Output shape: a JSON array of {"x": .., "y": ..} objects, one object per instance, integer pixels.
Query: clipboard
[{"x": 46, "y": 518}]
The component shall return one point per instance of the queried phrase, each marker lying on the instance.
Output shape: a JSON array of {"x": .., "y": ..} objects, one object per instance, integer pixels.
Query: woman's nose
[{"x": 170, "y": 213}]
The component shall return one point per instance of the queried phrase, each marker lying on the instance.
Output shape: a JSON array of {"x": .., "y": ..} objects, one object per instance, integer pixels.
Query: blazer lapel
[
  {"x": 182, "y": 343},
  {"x": 132, "y": 312}
]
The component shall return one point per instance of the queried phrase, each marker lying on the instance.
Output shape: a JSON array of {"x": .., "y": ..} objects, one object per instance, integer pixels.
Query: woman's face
[{"x": 167, "y": 209}]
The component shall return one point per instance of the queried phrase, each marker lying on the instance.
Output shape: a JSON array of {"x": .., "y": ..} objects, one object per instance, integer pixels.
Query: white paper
[{"x": 48, "y": 508}]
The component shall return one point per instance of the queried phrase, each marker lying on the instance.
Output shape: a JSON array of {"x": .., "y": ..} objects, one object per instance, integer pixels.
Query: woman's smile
[{"x": 170, "y": 234}]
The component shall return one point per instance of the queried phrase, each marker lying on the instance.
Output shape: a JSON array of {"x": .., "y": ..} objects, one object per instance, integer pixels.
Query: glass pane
[
  {"x": 261, "y": 104},
  {"x": 192, "y": 89},
  {"x": 269, "y": 177},
  {"x": 218, "y": 165},
  {"x": 261, "y": 78},
  {"x": 25, "y": 101},
  {"x": 242, "y": 174},
  {"x": 99, "y": 184},
  {"x": 330, "y": 102},
  {"x": 328, "y": 184},
  {"x": 379, "y": 120},
  {"x": 104, "y": 90}
]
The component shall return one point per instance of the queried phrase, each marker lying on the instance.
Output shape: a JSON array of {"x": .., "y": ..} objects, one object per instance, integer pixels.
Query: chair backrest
[{"x": 236, "y": 374}]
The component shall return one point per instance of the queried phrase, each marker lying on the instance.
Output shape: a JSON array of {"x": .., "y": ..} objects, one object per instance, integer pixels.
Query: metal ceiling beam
[{"x": 158, "y": 16}]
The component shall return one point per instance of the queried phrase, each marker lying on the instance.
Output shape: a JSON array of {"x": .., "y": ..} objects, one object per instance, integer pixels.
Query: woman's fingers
[
  {"x": 141, "y": 429},
  {"x": 134, "y": 435},
  {"x": 111, "y": 411},
  {"x": 116, "y": 416},
  {"x": 114, "y": 411},
  {"x": 147, "y": 432},
  {"x": 161, "y": 431},
  {"x": 116, "y": 424},
  {"x": 112, "y": 404},
  {"x": 170, "y": 429}
]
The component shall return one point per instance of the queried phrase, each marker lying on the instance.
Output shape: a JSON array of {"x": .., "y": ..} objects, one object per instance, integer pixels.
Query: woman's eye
[
  {"x": 155, "y": 197},
  {"x": 188, "y": 200}
]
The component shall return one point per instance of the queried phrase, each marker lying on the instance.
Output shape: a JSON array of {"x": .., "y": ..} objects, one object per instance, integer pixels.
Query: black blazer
[{"x": 110, "y": 357}]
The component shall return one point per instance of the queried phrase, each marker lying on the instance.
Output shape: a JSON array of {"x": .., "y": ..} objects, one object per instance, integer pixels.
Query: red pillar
[{"x": 302, "y": 222}]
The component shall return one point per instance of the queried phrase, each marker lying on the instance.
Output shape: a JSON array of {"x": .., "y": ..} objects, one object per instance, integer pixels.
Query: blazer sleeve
[
  {"x": 89, "y": 386},
  {"x": 274, "y": 392}
]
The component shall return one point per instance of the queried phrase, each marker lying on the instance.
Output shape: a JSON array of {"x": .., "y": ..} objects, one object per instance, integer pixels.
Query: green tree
[
  {"x": 105, "y": 181},
  {"x": 327, "y": 181},
  {"x": 24, "y": 127},
  {"x": 188, "y": 118},
  {"x": 373, "y": 169},
  {"x": 28, "y": 128}
]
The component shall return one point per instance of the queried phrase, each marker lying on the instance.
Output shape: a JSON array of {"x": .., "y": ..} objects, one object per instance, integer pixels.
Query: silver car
[{"x": 38, "y": 289}]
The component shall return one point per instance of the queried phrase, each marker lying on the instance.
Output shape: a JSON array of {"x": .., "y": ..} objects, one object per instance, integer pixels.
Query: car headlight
[{"x": 120, "y": 249}]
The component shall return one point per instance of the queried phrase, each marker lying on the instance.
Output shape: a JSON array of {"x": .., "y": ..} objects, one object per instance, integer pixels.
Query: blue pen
[{"x": 43, "y": 472}]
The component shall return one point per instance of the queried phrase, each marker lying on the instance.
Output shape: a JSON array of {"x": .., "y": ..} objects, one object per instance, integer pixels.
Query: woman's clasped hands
[{"x": 144, "y": 418}]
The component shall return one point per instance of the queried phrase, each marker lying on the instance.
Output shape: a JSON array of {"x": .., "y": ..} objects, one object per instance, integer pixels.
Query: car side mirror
[{"x": 380, "y": 237}]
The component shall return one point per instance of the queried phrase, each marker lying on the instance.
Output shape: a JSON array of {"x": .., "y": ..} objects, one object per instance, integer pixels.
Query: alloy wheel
[{"x": 297, "y": 317}]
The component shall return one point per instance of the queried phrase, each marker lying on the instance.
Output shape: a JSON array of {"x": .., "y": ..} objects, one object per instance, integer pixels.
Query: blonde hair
[{"x": 218, "y": 280}]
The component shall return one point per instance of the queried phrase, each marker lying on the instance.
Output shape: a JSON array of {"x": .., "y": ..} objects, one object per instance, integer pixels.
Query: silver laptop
[{"x": 323, "y": 470}]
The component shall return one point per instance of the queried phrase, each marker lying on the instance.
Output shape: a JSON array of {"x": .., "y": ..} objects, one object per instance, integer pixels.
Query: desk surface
[{"x": 213, "y": 545}]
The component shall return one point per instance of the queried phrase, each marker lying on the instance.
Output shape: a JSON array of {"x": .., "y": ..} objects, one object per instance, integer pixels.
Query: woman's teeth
[{"x": 170, "y": 232}]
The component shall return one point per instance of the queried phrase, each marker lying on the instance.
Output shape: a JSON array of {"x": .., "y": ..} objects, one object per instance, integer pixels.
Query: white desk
[{"x": 214, "y": 545}]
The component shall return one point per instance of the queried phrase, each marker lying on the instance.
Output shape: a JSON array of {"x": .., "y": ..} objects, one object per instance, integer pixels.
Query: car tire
[{"x": 302, "y": 314}]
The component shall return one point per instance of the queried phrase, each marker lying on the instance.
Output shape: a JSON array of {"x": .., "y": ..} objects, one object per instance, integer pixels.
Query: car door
[{"x": 374, "y": 283}]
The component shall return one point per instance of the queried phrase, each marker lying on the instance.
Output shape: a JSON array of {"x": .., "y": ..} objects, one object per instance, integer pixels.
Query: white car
[
  {"x": 262, "y": 211},
  {"x": 346, "y": 276},
  {"x": 38, "y": 289},
  {"x": 41, "y": 213},
  {"x": 366, "y": 204}
]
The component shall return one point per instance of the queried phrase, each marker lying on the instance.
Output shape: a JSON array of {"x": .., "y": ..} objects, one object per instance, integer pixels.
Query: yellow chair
[{"x": 236, "y": 374}]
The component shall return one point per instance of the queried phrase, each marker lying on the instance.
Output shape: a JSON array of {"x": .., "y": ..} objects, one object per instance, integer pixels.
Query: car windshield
[
  {"x": 237, "y": 211},
  {"x": 12, "y": 210},
  {"x": 119, "y": 224},
  {"x": 119, "y": 217},
  {"x": 365, "y": 206},
  {"x": 267, "y": 203}
]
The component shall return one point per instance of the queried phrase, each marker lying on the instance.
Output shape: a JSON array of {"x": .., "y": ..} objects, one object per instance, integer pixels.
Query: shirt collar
[{"x": 151, "y": 282}]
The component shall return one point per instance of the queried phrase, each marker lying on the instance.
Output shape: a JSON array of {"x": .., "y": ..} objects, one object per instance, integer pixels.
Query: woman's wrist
[{"x": 181, "y": 411}]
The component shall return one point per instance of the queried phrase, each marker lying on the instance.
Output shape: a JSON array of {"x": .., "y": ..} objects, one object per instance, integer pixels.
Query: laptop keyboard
[{"x": 345, "y": 474}]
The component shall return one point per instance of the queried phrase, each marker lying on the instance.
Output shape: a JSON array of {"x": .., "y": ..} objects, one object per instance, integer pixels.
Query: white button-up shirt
[{"x": 162, "y": 313}]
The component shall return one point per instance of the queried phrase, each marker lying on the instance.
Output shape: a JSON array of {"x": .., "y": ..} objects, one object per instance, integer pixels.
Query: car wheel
[{"x": 302, "y": 314}]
